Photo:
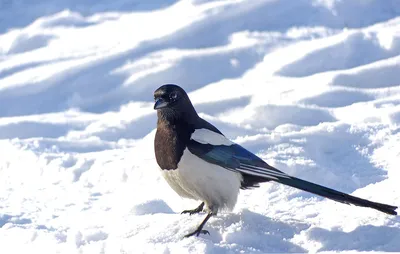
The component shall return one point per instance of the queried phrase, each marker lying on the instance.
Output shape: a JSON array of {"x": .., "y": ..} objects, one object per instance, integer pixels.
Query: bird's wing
[{"x": 217, "y": 149}]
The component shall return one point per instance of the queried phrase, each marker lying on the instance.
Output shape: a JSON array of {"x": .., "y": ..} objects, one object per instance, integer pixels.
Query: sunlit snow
[{"x": 311, "y": 86}]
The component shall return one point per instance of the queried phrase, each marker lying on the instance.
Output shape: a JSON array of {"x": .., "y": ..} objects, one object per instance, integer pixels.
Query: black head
[{"x": 171, "y": 101}]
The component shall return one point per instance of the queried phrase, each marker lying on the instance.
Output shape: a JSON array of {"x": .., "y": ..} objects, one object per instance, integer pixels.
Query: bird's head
[{"x": 171, "y": 101}]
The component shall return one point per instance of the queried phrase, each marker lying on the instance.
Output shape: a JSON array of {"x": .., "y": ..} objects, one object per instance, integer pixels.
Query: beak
[{"x": 160, "y": 103}]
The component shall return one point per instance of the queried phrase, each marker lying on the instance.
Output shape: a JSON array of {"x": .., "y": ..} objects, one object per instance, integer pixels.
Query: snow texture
[{"x": 311, "y": 86}]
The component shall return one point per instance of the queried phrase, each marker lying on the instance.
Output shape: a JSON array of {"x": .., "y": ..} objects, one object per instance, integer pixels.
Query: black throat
[{"x": 173, "y": 134}]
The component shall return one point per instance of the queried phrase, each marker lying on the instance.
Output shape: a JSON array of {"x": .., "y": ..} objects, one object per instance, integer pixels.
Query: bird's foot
[
  {"x": 197, "y": 232},
  {"x": 194, "y": 211},
  {"x": 199, "y": 229}
]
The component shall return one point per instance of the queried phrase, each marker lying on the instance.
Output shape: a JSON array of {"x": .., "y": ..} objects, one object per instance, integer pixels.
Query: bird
[{"x": 200, "y": 163}]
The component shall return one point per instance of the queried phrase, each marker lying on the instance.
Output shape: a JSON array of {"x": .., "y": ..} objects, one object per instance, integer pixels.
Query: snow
[{"x": 312, "y": 87}]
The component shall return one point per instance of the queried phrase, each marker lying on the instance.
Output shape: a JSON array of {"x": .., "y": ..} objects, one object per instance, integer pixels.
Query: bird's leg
[
  {"x": 200, "y": 229},
  {"x": 196, "y": 210}
]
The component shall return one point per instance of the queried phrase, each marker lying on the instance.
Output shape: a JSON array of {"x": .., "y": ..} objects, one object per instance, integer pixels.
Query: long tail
[{"x": 336, "y": 195}]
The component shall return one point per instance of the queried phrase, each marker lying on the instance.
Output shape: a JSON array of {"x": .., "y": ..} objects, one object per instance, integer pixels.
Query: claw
[
  {"x": 197, "y": 233},
  {"x": 200, "y": 229},
  {"x": 196, "y": 210},
  {"x": 190, "y": 212}
]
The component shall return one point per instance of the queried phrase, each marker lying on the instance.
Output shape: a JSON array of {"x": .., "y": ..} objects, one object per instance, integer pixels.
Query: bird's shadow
[
  {"x": 255, "y": 233},
  {"x": 252, "y": 232}
]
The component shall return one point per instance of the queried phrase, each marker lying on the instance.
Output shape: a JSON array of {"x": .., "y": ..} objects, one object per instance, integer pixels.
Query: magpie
[{"x": 200, "y": 163}]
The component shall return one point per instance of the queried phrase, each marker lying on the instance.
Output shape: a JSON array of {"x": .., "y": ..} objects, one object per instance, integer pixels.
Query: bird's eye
[{"x": 173, "y": 96}]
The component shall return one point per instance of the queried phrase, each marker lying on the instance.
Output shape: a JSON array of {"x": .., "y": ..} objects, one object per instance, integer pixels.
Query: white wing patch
[{"x": 205, "y": 136}]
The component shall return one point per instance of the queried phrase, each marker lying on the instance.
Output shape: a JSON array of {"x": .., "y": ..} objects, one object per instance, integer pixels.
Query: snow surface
[{"x": 311, "y": 86}]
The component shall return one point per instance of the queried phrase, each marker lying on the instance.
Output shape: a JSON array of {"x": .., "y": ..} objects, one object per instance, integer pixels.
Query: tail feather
[{"x": 336, "y": 195}]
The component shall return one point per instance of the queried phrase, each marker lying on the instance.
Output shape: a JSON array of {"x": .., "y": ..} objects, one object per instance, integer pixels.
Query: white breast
[{"x": 200, "y": 180}]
